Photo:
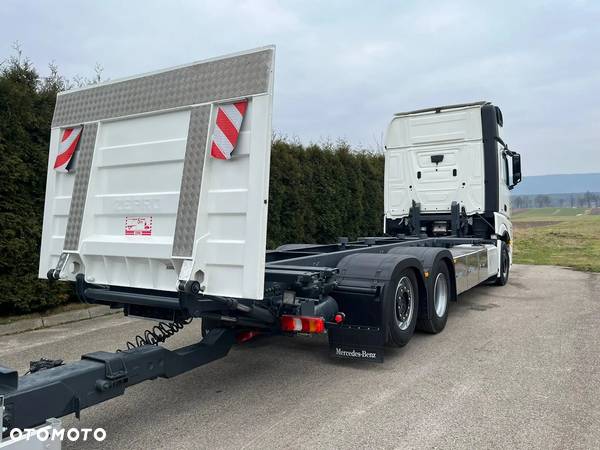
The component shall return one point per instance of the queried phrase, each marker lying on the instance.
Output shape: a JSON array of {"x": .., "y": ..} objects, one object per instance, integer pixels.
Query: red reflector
[
  {"x": 303, "y": 324},
  {"x": 246, "y": 336},
  {"x": 339, "y": 318}
]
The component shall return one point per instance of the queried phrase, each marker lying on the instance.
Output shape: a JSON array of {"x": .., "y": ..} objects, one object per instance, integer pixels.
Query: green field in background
[
  {"x": 549, "y": 213},
  {"x": 569, "y": 237}
]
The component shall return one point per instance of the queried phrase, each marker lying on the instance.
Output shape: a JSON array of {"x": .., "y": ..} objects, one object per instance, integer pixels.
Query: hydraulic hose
[{"x": 255, "y": 312}]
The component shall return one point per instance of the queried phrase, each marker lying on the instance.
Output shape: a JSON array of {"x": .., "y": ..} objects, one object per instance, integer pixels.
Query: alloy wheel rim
[
  {"x": 404, "y": 303},
  {"x": 440, "y": 297}
]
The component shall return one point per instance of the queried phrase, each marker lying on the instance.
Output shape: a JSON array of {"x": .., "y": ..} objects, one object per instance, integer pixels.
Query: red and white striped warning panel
[
  {"x": 68, "y": 144},
  {"x": 227, "y": 129}
]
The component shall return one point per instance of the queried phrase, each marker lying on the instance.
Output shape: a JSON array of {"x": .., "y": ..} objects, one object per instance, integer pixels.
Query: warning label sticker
[{"x": 138, "y": 226}]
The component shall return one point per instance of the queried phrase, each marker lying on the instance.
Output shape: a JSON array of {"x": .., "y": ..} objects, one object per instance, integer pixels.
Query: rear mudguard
[
  {"x": 430, "y": 257},
  {"x": 361, "y": 280},
  {"x": 360, "y": 291}
]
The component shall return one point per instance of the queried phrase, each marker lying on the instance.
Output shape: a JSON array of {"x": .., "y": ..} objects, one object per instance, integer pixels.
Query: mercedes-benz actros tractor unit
[{"x": 157, "y": 200}]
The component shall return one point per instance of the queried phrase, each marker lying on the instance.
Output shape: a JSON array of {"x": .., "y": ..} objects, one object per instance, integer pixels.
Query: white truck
[{"x": 156, "y": 203}]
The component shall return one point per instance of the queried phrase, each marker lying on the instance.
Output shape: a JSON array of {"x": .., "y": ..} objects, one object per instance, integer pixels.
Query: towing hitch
[{"x": 52, "y": 393}]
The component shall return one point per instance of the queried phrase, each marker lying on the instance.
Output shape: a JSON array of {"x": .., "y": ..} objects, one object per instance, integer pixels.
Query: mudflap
[
  {"x": 357, "y": 342},
  {"x": 360, "y": 292}
]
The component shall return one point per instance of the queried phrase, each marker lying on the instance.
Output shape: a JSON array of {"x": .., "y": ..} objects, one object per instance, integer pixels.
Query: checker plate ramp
[{"x": 145, "y": 204}]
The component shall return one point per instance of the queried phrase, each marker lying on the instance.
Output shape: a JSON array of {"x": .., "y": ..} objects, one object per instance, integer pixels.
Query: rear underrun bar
[{"x": 31, "y": 399}]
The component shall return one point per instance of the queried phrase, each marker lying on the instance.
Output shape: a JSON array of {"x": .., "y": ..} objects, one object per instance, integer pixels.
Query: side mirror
[{"x": 516, "y": 169}]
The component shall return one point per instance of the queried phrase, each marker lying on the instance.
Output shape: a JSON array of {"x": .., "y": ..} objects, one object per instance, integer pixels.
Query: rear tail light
[{"x": 303, "y": 324}]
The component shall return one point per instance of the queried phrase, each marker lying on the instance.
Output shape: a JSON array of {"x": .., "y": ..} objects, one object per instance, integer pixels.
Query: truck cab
[{"x": 449, "y": 172}]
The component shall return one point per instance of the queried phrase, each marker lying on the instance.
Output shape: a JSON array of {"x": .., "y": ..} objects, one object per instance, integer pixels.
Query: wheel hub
[{"x": 405, "y": 301}]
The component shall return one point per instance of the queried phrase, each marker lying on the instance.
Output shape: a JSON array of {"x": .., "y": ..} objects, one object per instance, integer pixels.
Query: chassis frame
[{"x": 300, "y": 279}]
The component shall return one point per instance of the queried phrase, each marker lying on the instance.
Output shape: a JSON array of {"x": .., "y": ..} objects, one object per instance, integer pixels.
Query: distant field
[
  {"x": 558, "y": 236},
  {"x": 549, "y": 213}
]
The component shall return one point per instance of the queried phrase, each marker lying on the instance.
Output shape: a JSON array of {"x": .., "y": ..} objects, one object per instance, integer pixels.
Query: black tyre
[
  {"x": 401, "y": 305},
  {"x": 441, "y": 294},
  {"x": 504, "y": 265}
]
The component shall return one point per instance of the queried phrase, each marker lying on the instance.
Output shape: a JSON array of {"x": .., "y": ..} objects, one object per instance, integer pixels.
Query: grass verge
[{"x": 574, "y": 242}]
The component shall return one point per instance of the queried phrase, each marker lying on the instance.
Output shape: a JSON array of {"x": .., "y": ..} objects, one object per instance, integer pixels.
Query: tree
[
  {"x": 588, "y": 197},
  {"x": 518, "y": 201},
  {"x": 321, "y": 192},
  {"x": 26, "y": 108},
  {"x": 542, "y": 201}
]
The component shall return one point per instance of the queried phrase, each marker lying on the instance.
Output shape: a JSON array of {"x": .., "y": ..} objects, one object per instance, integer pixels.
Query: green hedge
[
  {"x": 317, "y": 193},
  {"x": 26, "y": 107}
]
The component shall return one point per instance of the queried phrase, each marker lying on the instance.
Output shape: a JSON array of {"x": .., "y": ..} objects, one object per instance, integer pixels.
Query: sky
[{"x": 343, "y": 68}]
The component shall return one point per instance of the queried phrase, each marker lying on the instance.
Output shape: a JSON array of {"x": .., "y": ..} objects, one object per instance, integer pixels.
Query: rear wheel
[
  {"x": 401, "y": 307},
  {"x": 504, "y": 265},
  {"x": 441, "y": 296}
]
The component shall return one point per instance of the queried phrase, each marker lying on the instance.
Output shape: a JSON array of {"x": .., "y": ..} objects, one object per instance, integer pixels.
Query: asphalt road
[{"x": 517, "y": 366}]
